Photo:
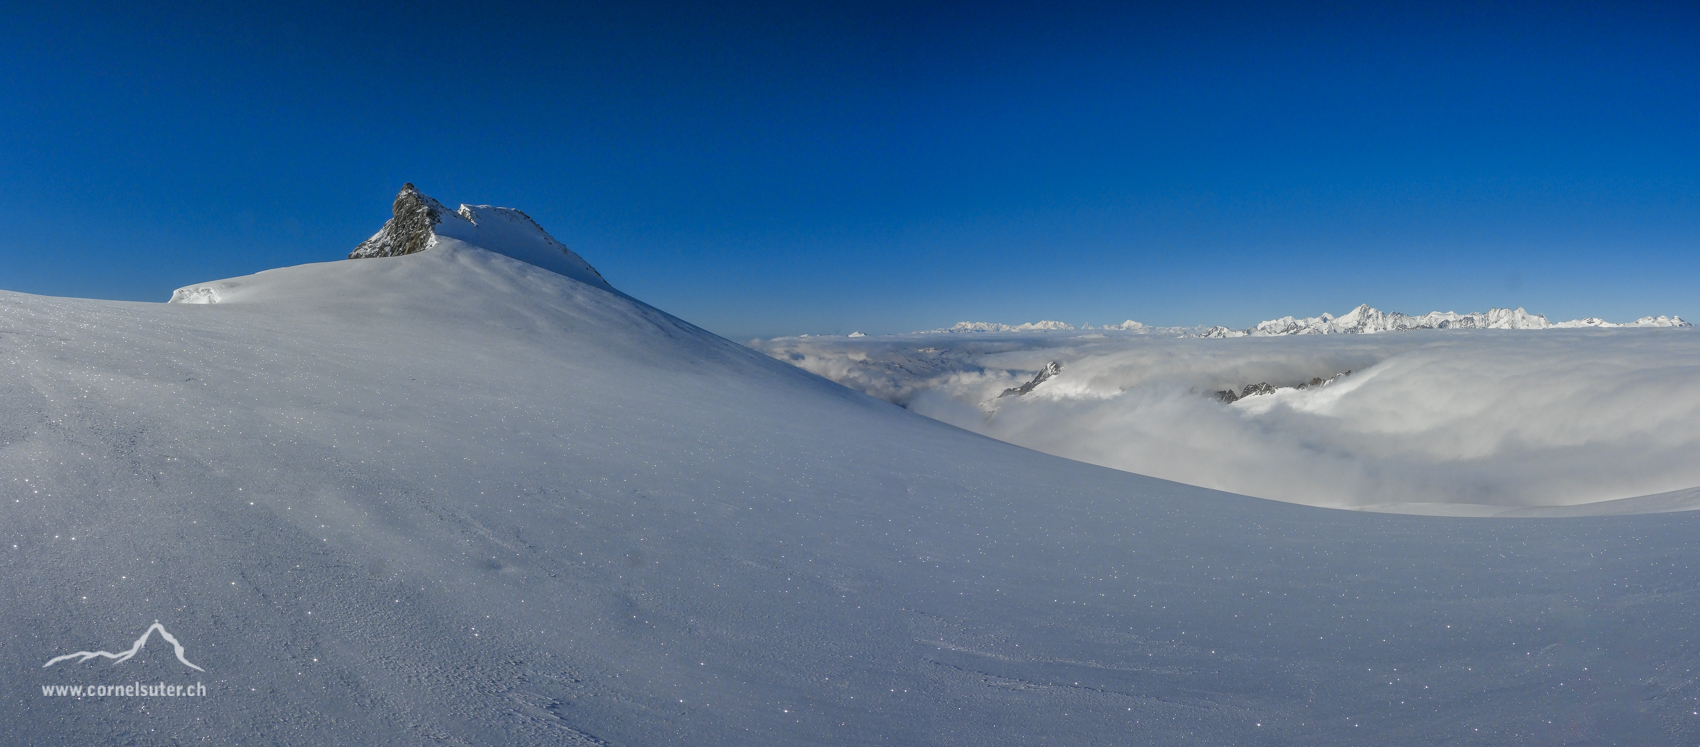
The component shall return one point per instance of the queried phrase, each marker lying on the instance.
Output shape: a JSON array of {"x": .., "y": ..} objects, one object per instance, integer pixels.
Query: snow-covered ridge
[
  {"x": 1646, "y": 321},
  {"x": 419, "y": 222},
  {"x": 1368, "y": 320}
]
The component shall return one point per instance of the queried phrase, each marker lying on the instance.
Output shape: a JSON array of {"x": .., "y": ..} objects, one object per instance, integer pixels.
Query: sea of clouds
[{"x": 1429, "y": 421}]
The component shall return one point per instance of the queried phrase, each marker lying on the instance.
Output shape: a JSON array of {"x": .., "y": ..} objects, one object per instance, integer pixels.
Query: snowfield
[{"x": 454, "y": 498}]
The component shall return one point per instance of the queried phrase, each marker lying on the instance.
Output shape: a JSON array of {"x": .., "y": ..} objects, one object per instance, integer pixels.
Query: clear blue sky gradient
[{"x": 767, "y": 169}]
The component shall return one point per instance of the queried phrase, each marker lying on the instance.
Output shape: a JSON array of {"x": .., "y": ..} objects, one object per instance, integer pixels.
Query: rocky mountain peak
[
  {"x": 409, "y": 230},
  {"x": 1051, "y": 369},
  {"x": 417, "y": 222}
]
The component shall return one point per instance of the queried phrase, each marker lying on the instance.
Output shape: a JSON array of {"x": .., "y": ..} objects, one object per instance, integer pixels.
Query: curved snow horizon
[{"x": 608, "y": 526}]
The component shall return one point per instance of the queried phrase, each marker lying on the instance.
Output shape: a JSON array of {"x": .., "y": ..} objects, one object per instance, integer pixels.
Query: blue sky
[{"x": 765, "y": 169}]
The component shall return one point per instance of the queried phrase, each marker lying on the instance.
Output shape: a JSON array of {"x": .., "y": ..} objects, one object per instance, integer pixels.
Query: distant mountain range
[
  {"x": 1364, "y": 319},
  {"x": 1045, "y": 325},
  {"x": 1368, "y": 320}
]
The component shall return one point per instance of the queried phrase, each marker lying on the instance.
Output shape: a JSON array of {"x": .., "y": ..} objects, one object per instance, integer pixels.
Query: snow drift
[{"x": 451, "y": 497}]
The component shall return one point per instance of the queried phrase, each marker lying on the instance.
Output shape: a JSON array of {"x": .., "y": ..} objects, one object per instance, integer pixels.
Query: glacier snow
[{"x": 454, "y": 497}]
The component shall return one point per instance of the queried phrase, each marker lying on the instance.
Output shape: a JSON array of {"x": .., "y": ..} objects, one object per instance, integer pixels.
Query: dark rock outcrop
[
  {"x": 1229, "y": 396},
  {"x": 1051, "y": 369},
  {"x": 409, "y": 231},
  {"x": 419, "y": 223}
]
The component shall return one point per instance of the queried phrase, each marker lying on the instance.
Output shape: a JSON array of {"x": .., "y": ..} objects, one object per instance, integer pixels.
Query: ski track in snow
[{"x": 450, "y": 498}]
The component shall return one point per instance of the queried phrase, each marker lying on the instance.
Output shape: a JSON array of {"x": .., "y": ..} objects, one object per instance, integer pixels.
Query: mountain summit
[
  {"x": 416, "y": 214},
  {"x": 418, "y": 222}
]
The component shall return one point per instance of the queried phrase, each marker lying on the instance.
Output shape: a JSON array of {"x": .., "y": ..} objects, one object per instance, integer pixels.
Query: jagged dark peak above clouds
[{"x": 1051, "y": 369}]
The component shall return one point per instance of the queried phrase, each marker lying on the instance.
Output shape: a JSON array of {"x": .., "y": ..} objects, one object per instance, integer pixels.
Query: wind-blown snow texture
[
  {"x": 1457, "y": 421},
  {"x": 452, "y": 498}
]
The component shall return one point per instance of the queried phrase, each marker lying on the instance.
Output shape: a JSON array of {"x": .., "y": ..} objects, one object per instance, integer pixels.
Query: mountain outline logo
[{"x": 119, "y": 658}]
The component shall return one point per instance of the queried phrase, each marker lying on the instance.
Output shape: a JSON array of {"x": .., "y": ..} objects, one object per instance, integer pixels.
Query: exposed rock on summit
[
  {"x": 419, "y": 222},
  {"x": 409, "y": 231}
]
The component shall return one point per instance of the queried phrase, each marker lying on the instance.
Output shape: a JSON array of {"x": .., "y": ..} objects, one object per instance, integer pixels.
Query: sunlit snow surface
[
  {"x": 449, "y": 498},
  {"x": 1469, "y": 422}
]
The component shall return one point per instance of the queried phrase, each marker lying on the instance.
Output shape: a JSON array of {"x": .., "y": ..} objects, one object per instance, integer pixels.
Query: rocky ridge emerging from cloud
[
  {"x": 1051, "y": 369},
  {"x": 1229, "y": 396}
]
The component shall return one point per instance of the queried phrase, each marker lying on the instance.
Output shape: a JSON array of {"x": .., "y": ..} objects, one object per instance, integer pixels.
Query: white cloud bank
[{"x": 1455, "y": 421}]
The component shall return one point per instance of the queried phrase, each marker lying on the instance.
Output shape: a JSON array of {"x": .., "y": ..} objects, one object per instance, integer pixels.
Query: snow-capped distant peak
[
  {"x": 1046, "y": 325},
  {"x": 1646, "y": 321},
  {"x": 418, "y": 221},
  {"x": 1366, "y": 319},
  {"x": 1052, "y": 326}
]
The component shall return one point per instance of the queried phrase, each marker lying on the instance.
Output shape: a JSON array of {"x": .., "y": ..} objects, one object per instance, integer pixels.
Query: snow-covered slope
[{"x": 450, "y": 497}]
